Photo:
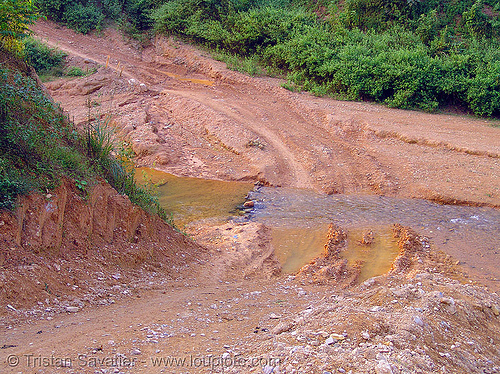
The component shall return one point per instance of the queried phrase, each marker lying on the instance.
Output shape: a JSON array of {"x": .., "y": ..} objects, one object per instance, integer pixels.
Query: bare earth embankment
[{"x": 185, "y": 113}]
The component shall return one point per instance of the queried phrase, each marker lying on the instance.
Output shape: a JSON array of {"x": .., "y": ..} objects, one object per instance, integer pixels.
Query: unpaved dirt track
[
  {"x": 320, "y": 143},
  {"x": 194, "y": 117}
]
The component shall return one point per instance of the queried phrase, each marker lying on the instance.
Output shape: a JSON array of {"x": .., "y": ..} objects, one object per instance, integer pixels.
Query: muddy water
[
  {"x": 375, "y": 258},
  {"x": 471, "y": 235},
  {"x": 296, "y": 246},
  {"x": 194, "y": 199},
  {"x": 192, "y": 80},
  {"x": 299, "y": 220}
]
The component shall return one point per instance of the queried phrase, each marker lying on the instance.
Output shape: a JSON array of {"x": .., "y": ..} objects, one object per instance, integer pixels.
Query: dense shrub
[
  {"x": 87, "y": 15},
  {"x": 10, "y": 188},
  {"x": 15, "y": 18},
  {"x": 42, "y": 57},
  {"x": 405, "y": 53},
  {"x": 53, "y": 9},
  {"x": 138, "y": 11},
  {"x": 398, "y": 53},
  {"x": 84, "y": 18},
  {"x": 38, "y": 145}
]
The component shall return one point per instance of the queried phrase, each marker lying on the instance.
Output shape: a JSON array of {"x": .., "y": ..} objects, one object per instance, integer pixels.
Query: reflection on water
[
  {"x": 296, "y": 246},
  {"x": 193, "y": 199},
  {"x": 299, "y": 220}
]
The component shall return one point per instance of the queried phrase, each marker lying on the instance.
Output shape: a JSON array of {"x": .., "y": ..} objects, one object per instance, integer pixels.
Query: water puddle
[
  {"x": 194, "y": 199},
  {"x": 296, "y": 246},
  {"x": 205, "y": 82},
  {"x": 375, "y": 258},
  {"x": 470, "y": 234},
  {"x": 299, "y": 222}
]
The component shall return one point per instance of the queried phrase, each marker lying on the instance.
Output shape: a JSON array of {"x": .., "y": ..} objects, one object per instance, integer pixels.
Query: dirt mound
[
  {"x": 331, "y": 267},
  {"x": 242, "y": 250},
  {"x": 71, "y": 248},
  {"x": 425, "y": 323}
]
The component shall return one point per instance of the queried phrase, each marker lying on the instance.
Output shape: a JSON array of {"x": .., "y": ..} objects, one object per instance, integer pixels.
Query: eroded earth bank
[{"x": 119, "y": 291}]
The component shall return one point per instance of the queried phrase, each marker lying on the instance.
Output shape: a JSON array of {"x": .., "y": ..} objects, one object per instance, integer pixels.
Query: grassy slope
[{"x": 39, "y": 145}]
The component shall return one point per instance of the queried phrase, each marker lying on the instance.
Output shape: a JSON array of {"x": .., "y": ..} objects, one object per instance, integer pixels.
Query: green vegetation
[
  {"x": 39, "y": 146},
  {"x": 248, "y": 65},
  {"x": 75, "y": 71},
  {"x": 83, "y": 18},
  {"x": 118, "y": 171},
  {"x": 49, "y": 63},
  {"x": 45, "y": 60},
  {"x": 87, "y": 15},
  {"x": 406, "y": 54},
  {"x": 15, "y": 18}
]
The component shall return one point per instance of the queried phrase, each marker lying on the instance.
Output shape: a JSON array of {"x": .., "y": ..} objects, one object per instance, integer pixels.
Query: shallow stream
[
  {"x": 470, "y": 234},
  {"x": 195, "y": 199},
  {"x": 299, "y": 220}
]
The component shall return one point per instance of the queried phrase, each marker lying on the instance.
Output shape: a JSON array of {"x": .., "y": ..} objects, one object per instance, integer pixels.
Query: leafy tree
[
  {"x": 84, "y": 18},
  {"x": 138, "y": 13},
  {"x": 54, "y": 9},
  {"x": 15, "y": 18},
  {"x": 476, "y": 22}
]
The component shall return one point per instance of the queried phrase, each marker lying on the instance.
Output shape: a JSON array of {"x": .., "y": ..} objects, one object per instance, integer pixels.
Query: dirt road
[
  {"x": 184, "y": 113},
  {"x": 189, "y": 115}
]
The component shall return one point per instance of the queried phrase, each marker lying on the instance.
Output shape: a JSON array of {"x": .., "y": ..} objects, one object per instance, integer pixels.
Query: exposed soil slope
[
  {"x": 64, "y": 249},
  {"x": 204, "y": 316}
]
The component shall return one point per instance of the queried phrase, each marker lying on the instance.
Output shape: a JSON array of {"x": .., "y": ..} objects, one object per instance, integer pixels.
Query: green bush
[
  {"x": 87, "y": 15},
  {"x": 112, "y": 8},
  {"x": 53, "y": 9},
  {"x": 138, "y": 13},
  {"x": 10, "y": 189},
  {"x": 84, "y": 18},
  {"x": 75, "y": 71},
  {"x": 15, "y": 18},
  {"x": 38, "y": 145},
  {"x": 398, "y": 53},
  {"x": 42, "y": 57}
]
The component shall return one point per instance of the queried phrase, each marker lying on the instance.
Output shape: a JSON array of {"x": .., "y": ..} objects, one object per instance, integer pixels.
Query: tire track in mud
[{"x": 286, "y": 159}]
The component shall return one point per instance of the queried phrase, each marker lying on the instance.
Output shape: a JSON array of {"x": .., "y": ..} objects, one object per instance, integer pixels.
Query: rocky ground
[{"x": 422, "y": 317}]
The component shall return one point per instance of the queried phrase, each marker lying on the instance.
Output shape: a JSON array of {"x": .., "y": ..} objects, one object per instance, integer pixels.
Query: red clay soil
[
  {"x": 65, "y": 246},
  {"x": 163, "y": 296}
]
